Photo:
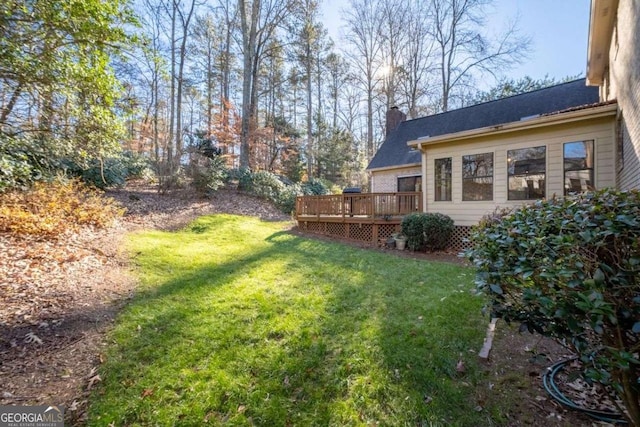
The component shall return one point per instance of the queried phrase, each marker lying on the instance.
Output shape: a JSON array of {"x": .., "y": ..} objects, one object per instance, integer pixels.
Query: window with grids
[
  {"x": 526, "y": 170},
  {"x": 477, "y": 177},
  {"x": 578, "y": 167},
  {"x": 442, "y": 180}
]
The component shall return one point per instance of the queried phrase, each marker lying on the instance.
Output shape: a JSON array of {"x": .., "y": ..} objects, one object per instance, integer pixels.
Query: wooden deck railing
[{"x": 359, "y": 205}]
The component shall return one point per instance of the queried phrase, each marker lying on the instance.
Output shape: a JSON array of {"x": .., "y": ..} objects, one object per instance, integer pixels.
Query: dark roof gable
[{"x": 395, "y": 151}]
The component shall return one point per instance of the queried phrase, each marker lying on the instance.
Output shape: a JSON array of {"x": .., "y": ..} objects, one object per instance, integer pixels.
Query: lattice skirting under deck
[
  {"x": 376, "y": 234},
  {"x": 460, "y": 234}
]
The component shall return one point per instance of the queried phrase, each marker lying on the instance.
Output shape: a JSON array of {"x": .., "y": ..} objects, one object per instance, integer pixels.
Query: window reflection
[
  {"x": 477, "y": 177},
  {"x": 527, "y": 173},
  {"x": 578, "y": 167},
  {"x": 442, "y": 181}
]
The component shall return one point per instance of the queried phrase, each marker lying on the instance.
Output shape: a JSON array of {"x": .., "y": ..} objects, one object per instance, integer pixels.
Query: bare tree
[
  {"x": 185, "y": 21},
  {"x": 205, "y": 44},
  {"x": 338, "y": 72},
  {"x": 463, "y": 50},
  {"x": 364, "y": 39},
  {"x": 394, "y": 34},
  {"x": 306, "y": 44},
  {"x": 259, "y": 20},
  {"x": 226, "y": 61},
  {"x": 415, "y": 72}
]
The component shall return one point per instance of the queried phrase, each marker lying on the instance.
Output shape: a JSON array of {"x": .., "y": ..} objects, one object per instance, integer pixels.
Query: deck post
[{"x": 373, "y": 205}]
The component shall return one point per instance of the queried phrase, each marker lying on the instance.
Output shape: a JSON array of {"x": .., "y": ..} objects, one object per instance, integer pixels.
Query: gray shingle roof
[{"x": 395, "y": 152}]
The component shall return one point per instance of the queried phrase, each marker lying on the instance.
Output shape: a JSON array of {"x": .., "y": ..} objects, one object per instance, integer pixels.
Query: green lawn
[{"x": 241, "y": 323}]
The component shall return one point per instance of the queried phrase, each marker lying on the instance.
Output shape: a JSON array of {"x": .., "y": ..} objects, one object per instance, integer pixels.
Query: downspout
[{"x": 424, "y": 178}]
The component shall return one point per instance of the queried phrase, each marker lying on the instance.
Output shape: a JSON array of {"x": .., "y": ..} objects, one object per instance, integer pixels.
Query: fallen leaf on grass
[{"x": 146, "y": 392}]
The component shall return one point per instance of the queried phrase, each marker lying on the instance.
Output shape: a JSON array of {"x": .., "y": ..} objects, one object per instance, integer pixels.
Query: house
[
  {"x": 506, "y": 152},
  {"x": 568, "y": 138}
]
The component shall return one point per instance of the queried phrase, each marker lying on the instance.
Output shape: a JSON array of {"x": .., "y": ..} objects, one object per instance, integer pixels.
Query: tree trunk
[
  {"x": 183, "y": 51},
  {"x": 249, "y": 47},
  {"x": 310, "y": 147},
  {"x": 172, "y": 90}
]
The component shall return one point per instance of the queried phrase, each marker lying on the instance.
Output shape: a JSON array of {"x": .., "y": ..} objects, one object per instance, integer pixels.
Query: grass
[{"x": 241, "y": 323}]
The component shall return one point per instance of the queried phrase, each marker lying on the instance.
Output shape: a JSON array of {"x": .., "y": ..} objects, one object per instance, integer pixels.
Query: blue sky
[{"x": 558, "y": 29}]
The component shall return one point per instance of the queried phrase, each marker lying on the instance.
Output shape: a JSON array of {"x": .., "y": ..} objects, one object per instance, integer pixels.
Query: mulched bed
[{"x": 59, "y": 297}]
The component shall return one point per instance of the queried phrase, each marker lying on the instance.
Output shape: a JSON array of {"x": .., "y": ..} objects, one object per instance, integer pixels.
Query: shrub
[
  {"x": 315, "y": 187},
  {"x": 15, "y": 171},
  {"x": 138, "y": 166},
  {"x": 412, "y": 228},
  {"x": 430, "y": 231},
  {"x": 266, "y": 185},
  {"x": 50, "y": 209},
  {"x": 570, "y": 268},
  {"x": 211, "y": 177},
  {"x": 112, "y": 171},
  {"x": 437, "y": 229},
  {"x": 244, "y": 177},
  {"x": 277, "y": 189},
  {"x": 23, "y": 161},
  {"x": 287, "y": 200}
]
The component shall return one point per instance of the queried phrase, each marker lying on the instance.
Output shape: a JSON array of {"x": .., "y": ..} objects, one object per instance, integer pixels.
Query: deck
[{"x": 368, "y": 217}]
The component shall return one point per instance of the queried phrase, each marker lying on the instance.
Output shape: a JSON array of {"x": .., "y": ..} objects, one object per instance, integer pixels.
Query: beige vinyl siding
[
  {"x": 622, "y": 82},
  {"x": 386, "y": 181},
  {"x": 553, "y": 137},
  {"x": 629, "y": 168}
]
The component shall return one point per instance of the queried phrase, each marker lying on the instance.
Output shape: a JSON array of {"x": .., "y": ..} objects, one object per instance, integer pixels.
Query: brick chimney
[{"x": 394, "y": 118}]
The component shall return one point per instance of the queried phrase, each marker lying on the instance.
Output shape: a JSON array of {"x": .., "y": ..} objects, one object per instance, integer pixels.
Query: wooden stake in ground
[{"x": 488, "y": 341}]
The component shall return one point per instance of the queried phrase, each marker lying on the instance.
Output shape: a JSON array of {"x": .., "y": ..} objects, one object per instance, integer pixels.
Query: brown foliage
[{"x": 51, "y": 209}]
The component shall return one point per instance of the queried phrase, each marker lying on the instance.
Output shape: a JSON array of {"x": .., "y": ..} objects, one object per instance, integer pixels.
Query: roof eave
[
  {"x": 552, "y": 119},
  {"x": 601, "y": 22},
  {"x": 385, "y": 168}
]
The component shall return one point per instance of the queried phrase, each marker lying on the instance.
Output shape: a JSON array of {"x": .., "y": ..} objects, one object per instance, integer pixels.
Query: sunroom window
[
  {"x": 526, "y": 170},
  {"x": 578, "y": 167},
  {"x": 442, "y": 180},
  {"x": 477, "y": 177}
]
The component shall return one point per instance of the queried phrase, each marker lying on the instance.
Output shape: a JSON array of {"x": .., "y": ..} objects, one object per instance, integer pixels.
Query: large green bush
[
  {"x": 314, "y": 187},
  {"x": 24, "y": 161},
  {"x": 112, "y": 171},
  {"x": 430, "y": 231},
  {"x": 437, "y": 229},
  {"x": 287, "y": 199},
  {"x": 279, "y": 190},
  {"x": 412, "y": 229},
  {"x": 266, "y": 185},
  {"x": 570, "y": 268},
  {"x": 211, "y": 176}
]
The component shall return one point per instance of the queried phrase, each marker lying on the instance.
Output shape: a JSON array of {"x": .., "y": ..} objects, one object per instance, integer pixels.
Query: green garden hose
[{"x": 551, "y": 388}]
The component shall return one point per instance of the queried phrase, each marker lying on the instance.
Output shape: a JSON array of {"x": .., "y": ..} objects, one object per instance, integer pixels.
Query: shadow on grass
[{"x": 346, "y": 342}]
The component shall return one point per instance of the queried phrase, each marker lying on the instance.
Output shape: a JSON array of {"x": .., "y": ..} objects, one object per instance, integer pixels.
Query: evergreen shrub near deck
[
  {"x": 570, "y": 268},
  {"x": 239, "y": 322},
  {"x": 430, "y": 231}
]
